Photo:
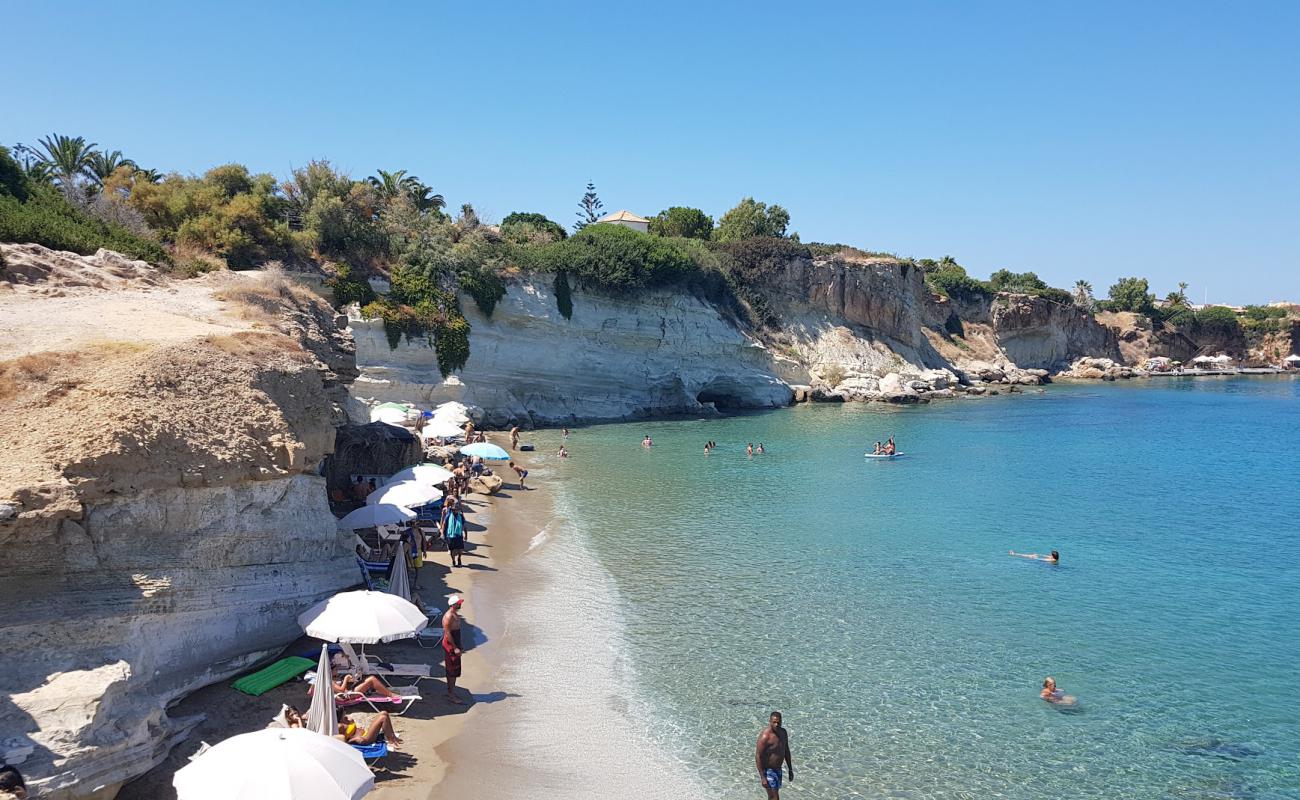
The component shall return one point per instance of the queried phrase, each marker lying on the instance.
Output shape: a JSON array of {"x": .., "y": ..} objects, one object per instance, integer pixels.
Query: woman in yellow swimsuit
[{"x": 351, "y": 733}]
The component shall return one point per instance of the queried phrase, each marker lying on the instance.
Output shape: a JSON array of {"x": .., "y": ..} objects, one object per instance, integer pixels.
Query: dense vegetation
[{"x": 69, "y": 194}]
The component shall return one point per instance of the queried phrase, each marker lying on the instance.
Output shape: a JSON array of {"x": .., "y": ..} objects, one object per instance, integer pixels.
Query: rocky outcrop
[
  {"x": 163, "y": 525},
  {"x": 661, "y": 353},
  {"x": 1035, "y": 332}
]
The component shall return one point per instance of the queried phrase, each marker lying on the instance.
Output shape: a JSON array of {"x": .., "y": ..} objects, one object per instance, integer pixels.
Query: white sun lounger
[{"x": 370, "y": 665}]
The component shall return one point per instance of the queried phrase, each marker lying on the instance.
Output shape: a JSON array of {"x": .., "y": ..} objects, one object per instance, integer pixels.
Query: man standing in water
[
  {"x": 451, "y": 645},
  {"x": 773, "y": 748}
]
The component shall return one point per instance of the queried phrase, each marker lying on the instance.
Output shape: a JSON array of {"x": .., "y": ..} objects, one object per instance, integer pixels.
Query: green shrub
[
  {"x": 13, "y": 181},
  {"x": 832, "y": 250},
  {"x": 749, "y": 219},
  {"x": 484, "y": 285},
  {"x": 1131, "y": 294},
  {"x": 515, "y": 223},
  {"x": 563, "y": 294},
  {"x": 1265, "y": 312},
  {"x": 1216, "y": 320},
  {"x": 1178, "y": 315},
  {"x": 348, "y": 287},
  {"x": 47, "y": 219},
  {"x": 615, "y": 259},
  {"x": 682, "y": 221},
  {"x": 951, "y": 280}
]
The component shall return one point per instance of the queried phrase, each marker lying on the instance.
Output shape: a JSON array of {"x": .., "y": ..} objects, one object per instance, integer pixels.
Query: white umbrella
[
  {"x": 430, "y": 474},
  {"x": 398, "y": 582},
  {"x": 322, "y": 717},
  {"x": 392, "y": 416},
  {"x": 1292, "y": 358},
  {"x": 276, "y": 764},
  {"x": 378, "y": 514},
  {"x": 485, "y": 450},
  {"x": 441, "y": 429},
  {"x": 408, "y": 494},
  {"x": 362, "y": 618}
]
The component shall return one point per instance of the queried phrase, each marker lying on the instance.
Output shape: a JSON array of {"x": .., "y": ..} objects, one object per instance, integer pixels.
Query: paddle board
[{"x": 883, "y": 455}]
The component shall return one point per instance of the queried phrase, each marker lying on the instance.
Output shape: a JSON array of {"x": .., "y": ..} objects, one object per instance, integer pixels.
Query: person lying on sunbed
[
  {"x": 369, "y": 686},
  {"x": 352, "y": 732}
]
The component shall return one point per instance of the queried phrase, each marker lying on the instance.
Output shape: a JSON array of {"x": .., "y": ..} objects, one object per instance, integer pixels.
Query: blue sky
[{"x": 1079, "y": 140}]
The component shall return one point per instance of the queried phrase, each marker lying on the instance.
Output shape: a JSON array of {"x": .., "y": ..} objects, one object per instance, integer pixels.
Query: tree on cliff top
[
  {"x": 1131, "y": 294},
  {"x": 517, "y": 225},
  {"x": 1004, "y": 280},
  {"x": 1083, "y": 295},
  {"x": 683, "y": 221},
  {"x": 588, "y": 208},
  {"x": 749, "y": 219}
]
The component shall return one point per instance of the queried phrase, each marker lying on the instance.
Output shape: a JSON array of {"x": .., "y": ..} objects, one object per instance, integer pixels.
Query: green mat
[{"x": 264, "y": 680}]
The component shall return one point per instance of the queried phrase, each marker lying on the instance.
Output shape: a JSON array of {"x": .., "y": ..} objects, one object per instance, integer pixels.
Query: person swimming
[
  {"x": 760, "y": 449},
  {"x": 1054, "y": 695},
  {"x": 1053, "y": 558}
]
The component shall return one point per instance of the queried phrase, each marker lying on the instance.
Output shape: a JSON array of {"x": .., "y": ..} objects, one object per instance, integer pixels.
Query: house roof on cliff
[{"x": 622, "y": 215}]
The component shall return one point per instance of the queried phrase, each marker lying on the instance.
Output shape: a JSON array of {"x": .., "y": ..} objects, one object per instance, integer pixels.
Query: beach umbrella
[
  {"x": 322, "y": 717},
  {"x": 398, "y": 582},
  {"x": 430, "y": 474},
  {"x": 407, "y": 494},
  {"x": 362, "y": 617},
  {"x": 485, "y": 450},
  {"x": 438, "y": 428},
  {"x": 392, "y": 416},
  {"x": 369, "y": 516},
  {"x": 276, "y": 764}
]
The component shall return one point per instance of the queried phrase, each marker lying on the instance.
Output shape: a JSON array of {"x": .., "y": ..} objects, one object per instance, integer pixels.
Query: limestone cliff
[
  {"x": 662, "y": 353},
  {"x": 839, "y": 328},
  {"x": 159, "y": 514}
]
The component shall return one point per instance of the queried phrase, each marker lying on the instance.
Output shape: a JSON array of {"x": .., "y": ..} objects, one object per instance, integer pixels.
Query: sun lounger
[
  {"x": 372, "y": 665},
  {"x": 397, "y": 706},
  {"x": 372, "y": 752},
  {"x": 264, "y": 680}
]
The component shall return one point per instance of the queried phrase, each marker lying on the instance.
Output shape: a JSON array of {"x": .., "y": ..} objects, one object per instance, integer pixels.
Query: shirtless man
[
  {"x": 514, "y": 438},
  {"x": 451, "y": 645},
  {"x": 773, "y": 748}
]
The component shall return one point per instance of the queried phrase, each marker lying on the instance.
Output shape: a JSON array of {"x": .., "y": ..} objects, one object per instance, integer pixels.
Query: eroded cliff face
[
  {"x": 662, "y": 353},
  {"x": 159, "y": 514},
  {"x": 842, "y": 329}
]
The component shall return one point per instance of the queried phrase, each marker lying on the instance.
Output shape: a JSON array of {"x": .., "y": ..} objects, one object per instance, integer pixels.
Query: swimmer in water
[
  {"x": 1054, "y": 695},
  {"x": 1053, "y": 558}
]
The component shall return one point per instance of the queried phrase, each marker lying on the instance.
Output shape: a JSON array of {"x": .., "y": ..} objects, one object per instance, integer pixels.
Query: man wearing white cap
[{"x": 451, "y": 645}]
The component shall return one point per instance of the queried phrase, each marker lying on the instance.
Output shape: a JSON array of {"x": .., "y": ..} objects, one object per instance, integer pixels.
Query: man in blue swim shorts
[{"x": 773, "y": 748}]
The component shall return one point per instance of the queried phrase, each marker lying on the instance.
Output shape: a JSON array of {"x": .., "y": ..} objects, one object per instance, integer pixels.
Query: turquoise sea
[{"x": 875, "y": 604}]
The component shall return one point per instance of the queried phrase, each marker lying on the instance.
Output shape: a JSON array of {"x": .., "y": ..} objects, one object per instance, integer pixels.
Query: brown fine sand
[{"x": 499, "y": 529}]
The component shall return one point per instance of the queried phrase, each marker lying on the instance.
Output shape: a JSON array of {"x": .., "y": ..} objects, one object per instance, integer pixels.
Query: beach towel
[{"x": 264, "y": 680}]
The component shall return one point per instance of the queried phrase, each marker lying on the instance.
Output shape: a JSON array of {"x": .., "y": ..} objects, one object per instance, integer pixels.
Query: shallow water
[{"x": 874, "y": 603}]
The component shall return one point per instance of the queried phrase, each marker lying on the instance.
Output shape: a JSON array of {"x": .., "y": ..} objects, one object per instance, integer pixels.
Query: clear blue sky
[{"x": 1087, "y": 140}]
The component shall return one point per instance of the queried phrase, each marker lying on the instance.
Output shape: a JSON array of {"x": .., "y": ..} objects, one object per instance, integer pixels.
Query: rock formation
[
  {"x": 662, "y": 353},
  {"x": 161, "y": 521}
]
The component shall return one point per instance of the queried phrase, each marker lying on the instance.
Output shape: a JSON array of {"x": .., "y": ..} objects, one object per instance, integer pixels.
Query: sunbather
[
  {"x": 368, "y": 686},
  {"x": 350, "y": 730}
]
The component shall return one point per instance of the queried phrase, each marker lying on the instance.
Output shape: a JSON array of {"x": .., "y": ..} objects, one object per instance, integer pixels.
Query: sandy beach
[{"x": 499, "y": 529}]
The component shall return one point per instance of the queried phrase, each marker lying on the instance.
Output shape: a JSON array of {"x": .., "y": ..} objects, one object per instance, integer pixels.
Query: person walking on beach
[
  {"x": 453, "y": 532},
  {"x": 773, "y": 748},
  {"x": 514, "y": 438},
  {"x": 451, "y": 645}
]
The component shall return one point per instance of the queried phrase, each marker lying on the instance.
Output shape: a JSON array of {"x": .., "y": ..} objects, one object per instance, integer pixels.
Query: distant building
[{"x": 628, "y": 220}]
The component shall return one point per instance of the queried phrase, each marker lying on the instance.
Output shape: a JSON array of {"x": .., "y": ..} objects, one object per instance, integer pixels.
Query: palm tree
[
  {"x": 149, "y": 175},
  {"x": 1083, "y": 294},
  {"x": 422, "y": 196},
  {"x": 1182, "y": 291},
  {"x": 68, "y": 157},
  {"x": 104, "y": 163},
  {"x": 33, "y": 165},
  {"x": 388, "y": 184}
]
